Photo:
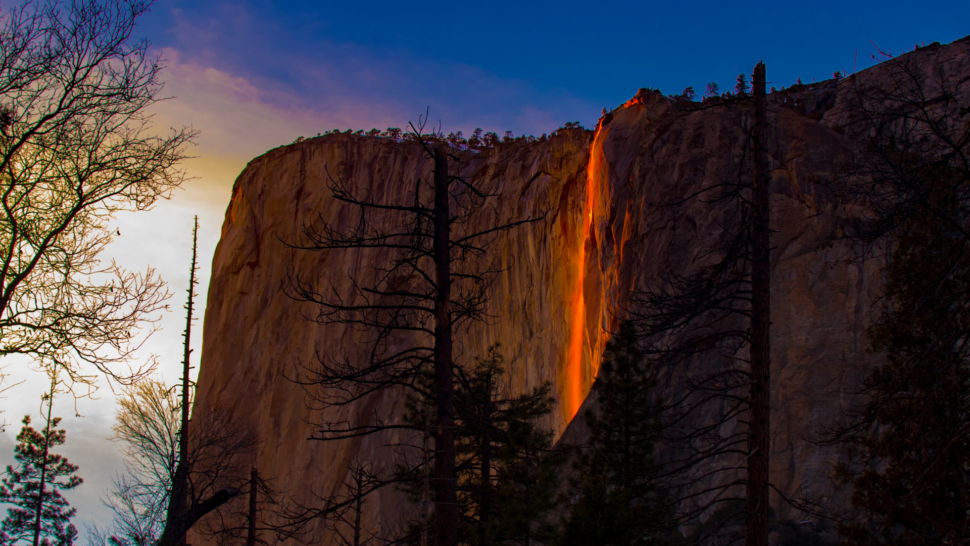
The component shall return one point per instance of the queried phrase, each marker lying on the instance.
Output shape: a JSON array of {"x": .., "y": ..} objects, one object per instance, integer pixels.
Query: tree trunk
[
  {"x": 446, "y": 498},
  {"x": 176, "y": 528},
  {"x": 43, "y": 467},
  {"x": 358, "y": 505},
  {"x": 253, "y": 494},
  {"x": 178, "y": 499},
  {"x": 756, "y": 513},
  {"x": 485, "y": 479}
]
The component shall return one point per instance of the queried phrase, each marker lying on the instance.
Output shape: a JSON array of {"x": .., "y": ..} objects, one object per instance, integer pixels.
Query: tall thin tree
[
  {"x": 187, "y": 506},
  {"x": 756, "y": 496},
  {"x": 179, "y": 497}
]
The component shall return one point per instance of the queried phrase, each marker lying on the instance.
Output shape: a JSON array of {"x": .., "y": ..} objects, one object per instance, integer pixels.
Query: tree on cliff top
[
  {"x": 429, "y": 282},
  {"x": 75, "y": 148}
]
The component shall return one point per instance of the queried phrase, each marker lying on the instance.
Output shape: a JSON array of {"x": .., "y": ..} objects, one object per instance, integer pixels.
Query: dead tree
[
  {"x": 431, "y": 284},
  {"x": 248, "y": 518},
  {"x": 759, "y": 444},
  {"x": 206, "y": 474},
  {"x": 709, "y": 332}
]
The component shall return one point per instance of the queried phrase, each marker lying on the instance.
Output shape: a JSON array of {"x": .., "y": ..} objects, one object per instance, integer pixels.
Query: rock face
[{"x": 565, "y": 281}]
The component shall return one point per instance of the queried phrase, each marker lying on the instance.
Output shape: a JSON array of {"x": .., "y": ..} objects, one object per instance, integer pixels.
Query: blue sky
[
  {"x": 255, "y": 75},
  {"x": 529, "y": 66}
]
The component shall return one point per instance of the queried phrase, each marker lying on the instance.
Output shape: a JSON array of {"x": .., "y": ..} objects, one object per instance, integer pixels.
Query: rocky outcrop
[{"x": 565, "y": 280}]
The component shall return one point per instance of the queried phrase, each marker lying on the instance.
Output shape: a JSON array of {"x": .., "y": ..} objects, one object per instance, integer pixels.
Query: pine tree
[
  {"x": 40, "y": 516},
  {"x": 909, "y": 464},
  {"x": 616, "y": 499},
  {"x": 741, "y": 87},
  {"x": 507, "y": 467},
  {"x": 528, "y": 473},
  {"x": 912, "y": 477}
]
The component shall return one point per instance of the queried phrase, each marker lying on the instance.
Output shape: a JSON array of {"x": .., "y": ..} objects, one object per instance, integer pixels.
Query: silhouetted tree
[
  {"x": 711, "y": 91},
  {"x": 173, "y": 476},
  {"x": 508, "y": 470},
  {"x": 908, "y": 446},
  {"x": 148, "y": 423},
  {"x": 741, "y": 87},
  {"x": 431, "y": 284},
  {"x": 912, "y": 471},
  {"x": 615, "y": 487},
  {"x": 528, "y": 476},
  {"x": 76, "y": 146},
  {"x": 178, "y": 507},
  {"x": 40, "y": 514},
  {"x": 710, "y": 328}
]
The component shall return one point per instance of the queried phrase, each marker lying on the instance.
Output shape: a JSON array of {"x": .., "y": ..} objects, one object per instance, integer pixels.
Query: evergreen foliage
[
  {"x": 34, "y": 488},
  {"x": 527, "y": 465},
  {"x": 909, "y": 463},
  {"x": 912, "y": 475},
  {"x": 741, "y": 87},
  {"x": 616, "y": 499},
  {"x": 508, "y": 470}
]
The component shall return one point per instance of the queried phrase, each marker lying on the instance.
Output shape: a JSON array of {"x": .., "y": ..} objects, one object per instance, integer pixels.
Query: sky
[{"x": 251, "y": 76}]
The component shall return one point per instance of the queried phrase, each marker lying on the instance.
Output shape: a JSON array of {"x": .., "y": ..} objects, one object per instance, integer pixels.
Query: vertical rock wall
[{"x": 608, "y": 228}]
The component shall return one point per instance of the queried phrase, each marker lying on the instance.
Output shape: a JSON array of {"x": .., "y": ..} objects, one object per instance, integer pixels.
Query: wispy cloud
[{"x": 242, "y": 113}]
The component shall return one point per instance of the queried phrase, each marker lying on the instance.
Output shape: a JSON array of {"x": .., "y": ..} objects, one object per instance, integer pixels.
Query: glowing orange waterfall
[{"x": 573, "y": 398}]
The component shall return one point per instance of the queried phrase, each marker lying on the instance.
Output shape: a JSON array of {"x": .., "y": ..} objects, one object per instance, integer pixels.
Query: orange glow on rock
[{"x": 575, "y": 387}]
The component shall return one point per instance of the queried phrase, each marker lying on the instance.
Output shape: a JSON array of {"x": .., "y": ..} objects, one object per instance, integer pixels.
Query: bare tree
[
  {"x": 174, "y": 476},
  {"x": 177, "y": 507},
  {"x": 209, "y": 468},
  {"x": 76, "y": 147},
  {"x": 147, "y": 423},
  {"x": 431, "y": 284},
  {"x": 217, "y": 464}
]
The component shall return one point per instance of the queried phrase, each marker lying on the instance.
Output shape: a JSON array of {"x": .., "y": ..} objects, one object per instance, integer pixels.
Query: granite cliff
[{"x": 566, "y": 279}]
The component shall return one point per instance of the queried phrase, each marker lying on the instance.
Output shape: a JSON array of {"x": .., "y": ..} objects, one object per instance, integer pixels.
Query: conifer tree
[
  {"x": 40, "y": 516},
  {"x": 741, "y": 87},
  {"x": 508, "y": 474},
  {"x": 507, "y": 467},
  {"x": 910, "y": 449},
  {"x": 616, "y": 499},
  {"x": 528, "y": 474},
  {"x": 909, "y": 465}
]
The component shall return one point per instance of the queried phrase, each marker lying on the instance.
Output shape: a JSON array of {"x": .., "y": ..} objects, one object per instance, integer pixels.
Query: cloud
[{"x": 241, "y": 114}]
